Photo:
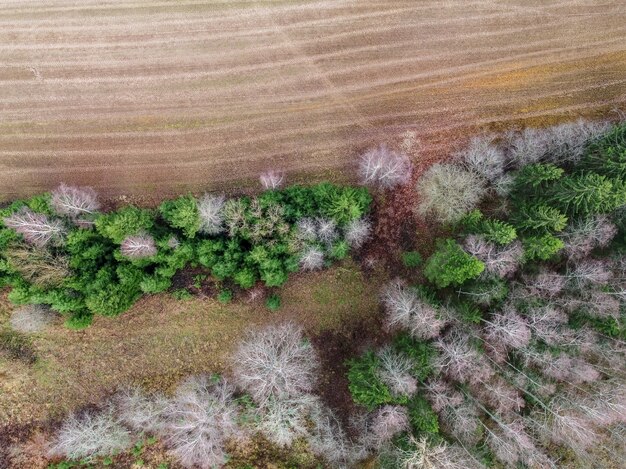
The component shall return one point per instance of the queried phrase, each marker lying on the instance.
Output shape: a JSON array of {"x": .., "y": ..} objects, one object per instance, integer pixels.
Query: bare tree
[
  {"x": 589, "y": 272},
  {"x": 384, "y": 168},
  {"x": 306, "y": 229},
  {"x": 141, "y": 412},
  {"x": 312, "y": 259},
  {"x": 546, "y": 284},
  {"x": 546, "y": 323},
  {"x": 484, "y": 157},
  {"x": 386, "y": 422},
  {"x": 396, "y": 372},
  {"x": 138, "y": 246},
  {"x": 200, "y": 419},
  {"x": 74, "y": 202},
  {"x": 211, "y": 212},
  {"x": 507, "y": 330},
  {"x": 173, "y": 242},
  {"x": 357, "y": 232},
  {"x": 405, "y": 310},
  {"x": 499, "y": 395},
  {"x": 448, "y": 192},
  {"x": 326, "y": 230},
  {"x": 586, "y": 235},
  {"x": 272, "y": 179},
  {"x": 36, "y": 228},
  {"x": 32, "y": 318},
  {"x": 460, "y": 360},
  {"x": 276, "y": 362},
  {"x": 425, "y": 455},
  {"x": 462, "y": 421},
  {"x": 284, "y": 420},
  {"x": 442, "y": 394},
  {"x": 502, "y": 261},
  {"x": 91, "y": 434}
]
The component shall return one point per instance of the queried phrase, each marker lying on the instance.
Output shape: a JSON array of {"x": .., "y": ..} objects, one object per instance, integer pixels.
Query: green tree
[
  {"x": 539, "y": 218},
  {"x": 541, "y": 247},
  {"x": 451, "y": 265},
  {"x": 124, "y": 222},
  {"x": 182, "y": 213}
]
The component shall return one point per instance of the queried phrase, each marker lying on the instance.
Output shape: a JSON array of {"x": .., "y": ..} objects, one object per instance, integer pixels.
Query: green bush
[
  {"x": 411, "y": 259},
  {"x": 451, "y": 265},
  {"x": 273, "y": 302},
  {"x": 225, "y": 296},
  {"x": 77, "y": 323},
  {"x": 365, "y": 386}
]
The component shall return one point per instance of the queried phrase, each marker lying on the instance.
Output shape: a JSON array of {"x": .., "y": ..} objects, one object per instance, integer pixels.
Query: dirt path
[{"x": 156, "y": 97}]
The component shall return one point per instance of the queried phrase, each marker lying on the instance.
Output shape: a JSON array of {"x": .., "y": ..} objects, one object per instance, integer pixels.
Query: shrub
[
  {"x": 36, "y": 228},
  {"x": 182, "y": 213},
  {"x": 210, "y": 212},
  {"x": 365, "y": 385},
  {"x": 284, "y": 420},
  {"x": 225, "y": 296},
  {"x": 411, "y": 259},
  {"x": 32, "y": 318},
  {"x": 275, "y": 363},
  {"x": 419, "y": 352},
  {"x": 38, "y": 265},
  {"x": 91, "y": 434},
  {"x": 200, "y": 419},
  {"x": 16, "y": 345},
  {"x": 451, "y": 265},
  {"x": 312, "y": 259},
  {"x": 142, "y": 413},
  {"x": 79, "y": 322},
  {"x": 74, "y": 202},
  {"x": 384, "y": 168},
  {"x": 339, "y": 250},
  {"x": 386, "y": 422},
  {"x": 448, "y": 192},
  {"x": 273, "y": 302}
]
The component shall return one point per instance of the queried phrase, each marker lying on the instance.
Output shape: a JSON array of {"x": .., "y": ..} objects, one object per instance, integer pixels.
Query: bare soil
[{"x": 153, "y": 98}]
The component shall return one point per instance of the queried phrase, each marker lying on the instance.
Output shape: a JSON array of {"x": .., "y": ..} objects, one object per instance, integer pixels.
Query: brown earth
[{"x": 153, "y": 97}]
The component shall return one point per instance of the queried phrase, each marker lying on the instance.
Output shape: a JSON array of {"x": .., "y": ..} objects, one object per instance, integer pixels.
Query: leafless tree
[
  {"x": 139, "y": 411},
  {"x": 405, "y": 310},
  {"x": 507, "y": 330},
  {"x": 384, "y": 168},
  {"x": 585, "y": 235},
  {"x": 200, "y": 419},
  {"x": 484, "y": 157},
  {"x": 442, "y": 394},
  {"x": 74, "y": 202},
  {"x": 546, "y": 284},
  {"x": 91, "y": 434},
  {"x": 36, "y": 228},
  {"x": 546, "y": 323},
  {"x": 573, "y": 370},
  {"x": 589, "y": 272},
  {"x": 460, "y": 360},
  {"x": 385, "y": 423},
  {"x": 396, "y": 372},
  {"x": 272, "y": 179},
  {"x": 462, "y": 422},
  {"x": 425, "y": 455},
  {"x": 306, "y": 229},
  {"x": 138, "y": 246},
  {"x": 211, "y": 212},
  {"x": 357, "y": 232},
  {"x": 276, "y": 362},
  {"x": 499, "y": 395},
  {"x": 448, "y": 192},
  {"x": 312, "y": 259},
  {"x": 284, "y": 420},
  {"x": 502, "y": 261},
  {"x": 32, "y": 318},
  {"x": 326, "y": 230}
]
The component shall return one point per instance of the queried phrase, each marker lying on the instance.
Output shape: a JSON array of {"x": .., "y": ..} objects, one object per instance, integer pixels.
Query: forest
[{"x": 498, "y": 341}]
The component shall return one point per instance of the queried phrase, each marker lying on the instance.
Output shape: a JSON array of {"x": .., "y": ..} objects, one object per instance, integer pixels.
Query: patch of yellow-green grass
[{"x": 161, "y": 340}]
